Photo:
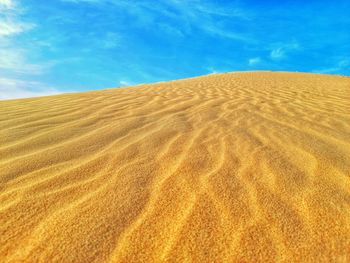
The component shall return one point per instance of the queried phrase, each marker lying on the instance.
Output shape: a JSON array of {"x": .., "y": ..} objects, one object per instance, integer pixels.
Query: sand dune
[{"x": 238, "y": 167}]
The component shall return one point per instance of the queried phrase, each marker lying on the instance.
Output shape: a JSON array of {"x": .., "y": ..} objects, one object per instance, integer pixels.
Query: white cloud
[
  {"x": 254, "y": 61},
  {"x": 208, "y": 18},
  {"x": 213, "y": 72},
  {"x": 10, "y": 22},
  {"x": 342, "y": 65},
  {"x": 125, "y": 83},
  {"x": 202, "y": 15},
  {"x": 280, "y": 50},
  {"x": 12, "y": 57},
  {"x": 277, "y": 53},
  {"x": 15, "y": 89},
  {"x": 14, "y": 60},
  {"x": 8, "y": 27},
  {"x": 171, "y": 30},
  {"x": 6, "y": 4},
  {"x": 88, "y": 1},
  {"x": 111, "y": 40}
]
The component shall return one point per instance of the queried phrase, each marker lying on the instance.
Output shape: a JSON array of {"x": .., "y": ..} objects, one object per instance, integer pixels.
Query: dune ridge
[{"x": 235, "y": 167}]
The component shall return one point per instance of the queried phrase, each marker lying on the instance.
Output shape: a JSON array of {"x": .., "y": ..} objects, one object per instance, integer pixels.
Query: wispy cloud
[
  {"x": 13, "y": 56},
  {"x": 8, "y": 27},
  {"x": 211, "y": 18},
  {"x": 14, "y": 60},
  {"x": 187, "y": 15},
  {"x": 277, "y": 53},
  {"x": 15, "y": 89},
  {"x": 6, "y": 4},
  {"x": 212, "y": 70},
  {"x": 126, "y": 83},
  {"x": 340, "y": 66},
  {"x": 111, "y": 40},
  {"x": 281, "y": 50},
  {"x": 254, "y": 61}
]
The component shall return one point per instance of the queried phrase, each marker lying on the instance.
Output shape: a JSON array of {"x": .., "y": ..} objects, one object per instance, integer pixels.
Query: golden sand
[{"x": 238, "y": 167}]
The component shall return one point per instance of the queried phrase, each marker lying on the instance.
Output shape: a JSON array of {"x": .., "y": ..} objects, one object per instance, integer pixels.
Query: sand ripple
[{"x": 239, "y": 167}]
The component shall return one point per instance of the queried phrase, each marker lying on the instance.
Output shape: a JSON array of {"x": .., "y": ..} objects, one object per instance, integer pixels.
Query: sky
[{"x": 58, "y": 46}]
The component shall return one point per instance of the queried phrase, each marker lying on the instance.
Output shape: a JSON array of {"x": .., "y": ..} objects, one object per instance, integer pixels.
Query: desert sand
[{"x": 235, "y": 167}]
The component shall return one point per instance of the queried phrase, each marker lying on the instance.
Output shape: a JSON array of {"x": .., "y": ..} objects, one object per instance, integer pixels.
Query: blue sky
[{"x": 49, "y": 47}]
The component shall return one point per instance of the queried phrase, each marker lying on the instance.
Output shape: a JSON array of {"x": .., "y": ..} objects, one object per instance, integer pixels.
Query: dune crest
[{"x": 236, "y": 167}]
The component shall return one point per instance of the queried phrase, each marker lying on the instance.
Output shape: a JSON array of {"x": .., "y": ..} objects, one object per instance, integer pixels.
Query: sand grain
[{"x": 238, "y": 167}]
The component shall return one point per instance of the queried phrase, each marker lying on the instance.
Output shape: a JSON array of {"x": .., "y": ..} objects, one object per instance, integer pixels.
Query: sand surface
[{"x": 238, "y": 167}]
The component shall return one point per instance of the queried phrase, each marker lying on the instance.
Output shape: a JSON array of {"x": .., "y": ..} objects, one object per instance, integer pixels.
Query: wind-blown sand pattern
[{"x": 238, "y": 167}]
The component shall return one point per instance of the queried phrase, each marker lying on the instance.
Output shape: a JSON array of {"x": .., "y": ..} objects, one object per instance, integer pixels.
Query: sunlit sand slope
[{"x": 239, "y": 167}]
